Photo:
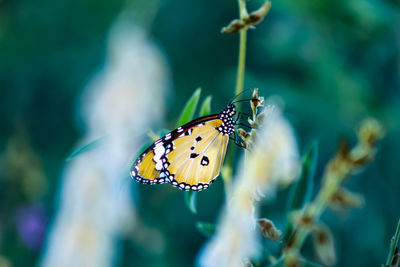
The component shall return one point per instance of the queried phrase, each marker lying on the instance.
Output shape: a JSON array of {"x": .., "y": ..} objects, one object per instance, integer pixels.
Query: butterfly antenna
[
  {"x": 237, "y": 101},
  {"x": 241, "y": 93}
]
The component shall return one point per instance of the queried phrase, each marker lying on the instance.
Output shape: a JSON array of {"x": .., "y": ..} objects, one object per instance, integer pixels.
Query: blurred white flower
[
  {"x": 123, "y": 99},
  {"x": 272, "y": 161}
]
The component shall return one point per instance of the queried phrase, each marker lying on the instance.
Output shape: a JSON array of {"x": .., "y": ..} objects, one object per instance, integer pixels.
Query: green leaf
[
  {"x": 207, "y": 229},
  {"x": 85, "y": 148},
  {"x": 393, "y": 245},
  {"x": 190, "y": 200},
  {"x": 190, "y": 108},
  {"x": 205, "y": 108},
  {"x": 301, "y": 191},
  {"x": 186, "y": 116}
]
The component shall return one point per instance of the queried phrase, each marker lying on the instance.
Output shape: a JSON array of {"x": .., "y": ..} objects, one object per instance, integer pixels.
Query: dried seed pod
[
  {"x": 257, "y": 16},
  {"x": 269, "y": 230},
  {"x": 243, "y": 134},
  {"x": 234, "y": 27},
  {"x": 256, "y": 101}
]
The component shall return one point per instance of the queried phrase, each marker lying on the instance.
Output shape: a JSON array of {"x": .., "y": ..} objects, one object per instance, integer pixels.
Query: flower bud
[
  {"x": 343, "y": 199},
  {"x": 269, "y": 230},
  {"x": 324, "y": 244},
  {"x": 234, "y": 27},
  {"x": 370, "y": 132},
  {"x": 256, "y": 101},
  {"x": 257, "y": 16}
]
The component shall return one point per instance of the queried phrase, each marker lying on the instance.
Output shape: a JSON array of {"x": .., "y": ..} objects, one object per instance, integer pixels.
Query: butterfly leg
[
  {"x": 236, "y": 141},
  {"x": 244, "y": 125},
  {"x": 240, "y": 114},
  {"x": 245, "y": 114}
]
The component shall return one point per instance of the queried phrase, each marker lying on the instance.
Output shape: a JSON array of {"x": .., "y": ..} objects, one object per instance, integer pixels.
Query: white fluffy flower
[
  {"x": 272, "y": 161},
  {"x": 123, "y": 98}
]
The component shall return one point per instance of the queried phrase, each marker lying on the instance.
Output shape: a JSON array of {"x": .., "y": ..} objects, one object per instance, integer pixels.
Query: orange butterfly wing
[
  {"x": 189, "y": 157},
  {"x": 196, "y": 159}
]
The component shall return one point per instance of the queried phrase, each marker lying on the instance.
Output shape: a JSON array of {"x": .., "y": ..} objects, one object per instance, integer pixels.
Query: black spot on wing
[
  {"x": 194, "y": 155},
  {"x": 204, "y": 161}
]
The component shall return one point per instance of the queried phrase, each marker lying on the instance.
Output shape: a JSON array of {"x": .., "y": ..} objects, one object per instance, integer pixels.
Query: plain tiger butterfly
[{"x": 190, "y": 157}]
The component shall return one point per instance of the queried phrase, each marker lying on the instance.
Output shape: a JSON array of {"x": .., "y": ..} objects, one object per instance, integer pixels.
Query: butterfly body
[{"x": 190, "y": 157}]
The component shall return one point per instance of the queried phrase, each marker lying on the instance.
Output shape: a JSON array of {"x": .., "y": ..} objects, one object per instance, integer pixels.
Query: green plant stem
[
  {"x": 239, "y": 85},
  {"x": 340, "y": 167},
  {"x": 242, "y": 49},
  {"x": 314, "y": 212},
  {"x": 242, "y": 9},
  {"x": 241, "y": 64},
  {"x": 393, "y": 245}
]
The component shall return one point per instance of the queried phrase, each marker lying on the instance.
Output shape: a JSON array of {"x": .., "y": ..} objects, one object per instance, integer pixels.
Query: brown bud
[
  {"x": 256, "y": 101},
  {"x": 301, "y": 217},
  {"x": 343, "y": 199},
  {"x": 361, "y": 156},
  {"x": 370, "y": 132},
  {"x": 292, "y": 261},
  {"x": 341, "y": 163},
  {"x": 306, "y": 220},
  {"x": 234, "y": 27},
  {"x": 269, "y": 230},
  {"x": 243, "y": 134},
  {"x": 257, "y": 16},
  {"x": 324, "y": 244}
]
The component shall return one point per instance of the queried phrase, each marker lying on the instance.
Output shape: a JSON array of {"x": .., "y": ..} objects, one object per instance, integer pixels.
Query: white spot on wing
[
  {"x": 158, "y": 141},
  {"x": 158, "y": 152},
  {"x": 159, "y": 165}
]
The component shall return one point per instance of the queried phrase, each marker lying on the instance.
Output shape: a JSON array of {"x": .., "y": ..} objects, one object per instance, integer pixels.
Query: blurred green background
[{"x": 331, "y": 63}]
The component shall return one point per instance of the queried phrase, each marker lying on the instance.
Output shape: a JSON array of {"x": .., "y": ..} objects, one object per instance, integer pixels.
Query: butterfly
[{"x": 190, "y": 157}]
